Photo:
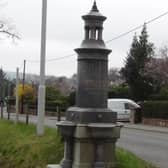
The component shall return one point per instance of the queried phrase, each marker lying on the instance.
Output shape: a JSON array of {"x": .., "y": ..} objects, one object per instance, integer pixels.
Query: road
[{"x": 150, "y": 146}]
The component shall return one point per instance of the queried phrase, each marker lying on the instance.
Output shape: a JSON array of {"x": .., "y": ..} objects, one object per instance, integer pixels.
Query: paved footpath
[
  {"x": 148, "y": 142},
  {"x": 146, "y": 128}
]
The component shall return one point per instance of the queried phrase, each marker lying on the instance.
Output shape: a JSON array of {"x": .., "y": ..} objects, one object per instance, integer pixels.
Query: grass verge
[
  {"x": 21, "y": 148},
  {"x": 126, "y": 159}
]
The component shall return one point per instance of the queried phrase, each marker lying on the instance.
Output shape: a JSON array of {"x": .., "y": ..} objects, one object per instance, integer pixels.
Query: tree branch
[
  {"x": 13, "y": 35},
  {"x": 8, "y": 30}
]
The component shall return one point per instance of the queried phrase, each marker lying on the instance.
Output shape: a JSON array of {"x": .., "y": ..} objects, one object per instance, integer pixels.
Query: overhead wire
[
  {"x": 53, "y": 59},
  {"x": 136, "y": 28},
  {"x": 60, "y": 58},
  {"x": 108, "y": 41}
]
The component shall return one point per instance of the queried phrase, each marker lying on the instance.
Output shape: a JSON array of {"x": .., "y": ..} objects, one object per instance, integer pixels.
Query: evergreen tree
[{"x": 134, "y": 71}]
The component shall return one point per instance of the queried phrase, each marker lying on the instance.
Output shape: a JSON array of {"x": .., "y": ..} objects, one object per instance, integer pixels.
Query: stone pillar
[
  {"x": 92, "y": 79},
  {"x": 90, "y": 130},
  {"x": 100, "y": 34},
  {"x": 86, "y": 33},
  {"x": 93, "y": 34}
]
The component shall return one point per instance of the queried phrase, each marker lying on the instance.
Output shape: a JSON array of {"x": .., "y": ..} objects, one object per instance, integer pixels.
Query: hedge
[
  {"x": 155, "y": 109},
  {"x": 51, "y": 105}
]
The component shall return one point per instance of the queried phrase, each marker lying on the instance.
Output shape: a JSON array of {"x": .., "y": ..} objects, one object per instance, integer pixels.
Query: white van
[{"x": 123, "y": 107}]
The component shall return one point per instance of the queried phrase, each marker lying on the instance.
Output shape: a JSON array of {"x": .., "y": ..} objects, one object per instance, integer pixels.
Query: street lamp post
[{"x": 41, "y": 91}]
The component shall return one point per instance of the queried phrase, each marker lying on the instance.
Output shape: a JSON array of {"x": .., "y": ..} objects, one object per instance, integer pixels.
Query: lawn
[{"x": 21, "y": 148}]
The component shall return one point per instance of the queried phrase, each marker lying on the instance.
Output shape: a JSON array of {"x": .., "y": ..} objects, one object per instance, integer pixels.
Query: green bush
[
  {"x": 120, "y": 91},
  {"x": 161, "y": 94},
  {"x": 55, "y": 98},
  {"x": 155, "y": 109},
  {"x": 51, "y": 105}
]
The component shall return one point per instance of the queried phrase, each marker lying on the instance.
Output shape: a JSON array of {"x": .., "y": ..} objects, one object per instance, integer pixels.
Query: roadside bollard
[
  {"x": 1, "y": 110},
  {"x": 8, "y": 111},
  {"x": 27, "y": 114},
  {"x": 58, "y": 114}
]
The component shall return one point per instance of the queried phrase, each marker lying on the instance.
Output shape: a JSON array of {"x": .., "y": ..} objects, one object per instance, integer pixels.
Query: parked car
[{"x": 123, "y": 107}]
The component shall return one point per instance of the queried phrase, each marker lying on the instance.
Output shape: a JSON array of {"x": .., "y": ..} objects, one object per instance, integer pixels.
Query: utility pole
[
  {"x": 1, "y": 90},
  {"x": 41, "y": 91},
  {"x": 9, "y": 106},
  {"x": 1, "y": 85},
  {"x": 17, "y": 95},
  {"x": 23, "y": 85}
]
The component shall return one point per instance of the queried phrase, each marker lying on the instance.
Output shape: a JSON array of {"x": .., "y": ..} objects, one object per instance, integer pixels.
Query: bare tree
[
  {"x": 157, "y": 67},
  {"x": 115, "y": 76},
  {"x": 163, "y": 52},
  {"x": 6, "y": 28}
]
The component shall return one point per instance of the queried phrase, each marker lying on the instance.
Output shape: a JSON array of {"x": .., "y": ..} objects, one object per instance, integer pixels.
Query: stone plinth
[
  {"x": 88, "y": 145},
  {"x": 91, "y": 115},
  {"x": 94, "y": 145}
]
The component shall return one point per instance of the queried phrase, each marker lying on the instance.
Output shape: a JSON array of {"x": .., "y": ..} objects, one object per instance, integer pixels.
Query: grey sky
[{"x": 65, "y": 30}]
